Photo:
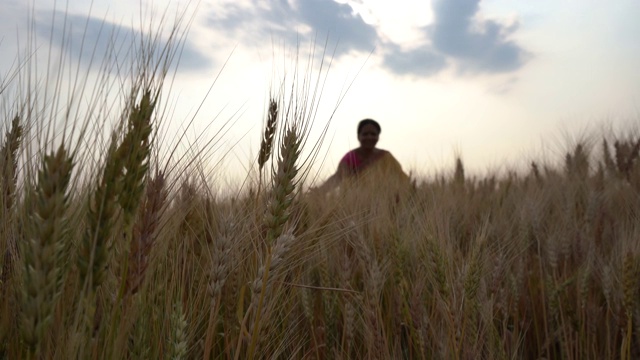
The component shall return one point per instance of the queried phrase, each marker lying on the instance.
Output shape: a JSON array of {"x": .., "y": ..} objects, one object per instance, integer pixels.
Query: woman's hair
[{"x": 364, "y": 122}]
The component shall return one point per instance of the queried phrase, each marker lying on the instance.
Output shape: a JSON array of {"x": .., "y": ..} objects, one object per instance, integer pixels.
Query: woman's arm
[
  {"x": 334, "y": 180},
  {"x": 397, "y": 168}
]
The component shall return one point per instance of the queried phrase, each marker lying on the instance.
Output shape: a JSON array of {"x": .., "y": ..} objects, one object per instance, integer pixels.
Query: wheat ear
[
  {"x": 284, "y": 185},
  {"x": 179, "y": 327},
  {"x": 277, "y": 215},
  {"x": 144, "y": 231},
  {"x": 217, "y": 275},
  {"x": 261, "y": 285},
  {"x": 44, "y": 249},
  {"x": 8, "y": 179},
  {"x": 103, "y": 208},
  {"x": 133, "y": 153},
  {"x": 472, "y": 280},
  {"x": 269, "y": 134},
  {"x": 132, "y": 157},
  {"x": 9, "y": 163}
]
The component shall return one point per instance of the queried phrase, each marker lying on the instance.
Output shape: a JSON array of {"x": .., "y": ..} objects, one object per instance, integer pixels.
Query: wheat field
[{"x": 110, "y": 251}]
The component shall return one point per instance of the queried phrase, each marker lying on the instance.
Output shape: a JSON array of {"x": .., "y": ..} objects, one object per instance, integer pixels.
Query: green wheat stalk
[
  {"x": 102, "y": 211},
  {"x": 44, "y": 249}
]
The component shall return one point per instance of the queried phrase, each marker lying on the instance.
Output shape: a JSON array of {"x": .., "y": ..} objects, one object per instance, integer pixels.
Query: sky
[{"x": 497, "y": 82}]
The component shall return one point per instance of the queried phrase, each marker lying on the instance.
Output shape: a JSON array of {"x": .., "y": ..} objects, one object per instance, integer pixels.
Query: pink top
[{"x": 352, "y": 161}]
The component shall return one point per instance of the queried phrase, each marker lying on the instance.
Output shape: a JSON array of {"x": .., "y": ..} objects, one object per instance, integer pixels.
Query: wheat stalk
[
  {"x": 609, "y": 163},
  {"x": 217, "y": 275},
  {"x": 438, "y": 266},
  {"x": 44, "y": 249},
  {"x": 629, "y": 302},
  {"x": 269, "y": 134},
  {"x": 577, "y": 164},
  {"x": 219, "y": 268},
  {"x": 144, "y": 231},
  {"x": 133, "y": 153},
  {"x": 284, "y": 185},
  {"x": 9, "y": 164},
  {"x": 458, "y": 176},
  {"x": 102, "y": 210},
  {"x": 179, "y": 325},
  {"x": 277, "y": 215},
  {"x": 230, "y": 301},
  {"x": 8, "y": 184},
  {"x": 121, "y": 184},
  {"x": 374, "y": 280},
  {"x": 472, "y": 280},
  {"x": 261, "y": 285},
  {"x": 307, "y": 304},
  {"x": 629, "y": 284},
  {"x": 329, "y": 298},
  {"x": 346, "y": 275}
]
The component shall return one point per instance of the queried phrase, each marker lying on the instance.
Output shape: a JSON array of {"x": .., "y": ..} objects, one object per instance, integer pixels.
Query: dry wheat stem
[
  {"x": 9, "y": 163},
  {"x": 269, "y": 134},
  {"x": 145, "y": 231},
  {"x": 261, "y": 286}
]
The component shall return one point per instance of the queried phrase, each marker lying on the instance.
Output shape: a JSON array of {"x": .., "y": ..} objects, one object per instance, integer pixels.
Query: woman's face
[{"x": 368, "y": 136}]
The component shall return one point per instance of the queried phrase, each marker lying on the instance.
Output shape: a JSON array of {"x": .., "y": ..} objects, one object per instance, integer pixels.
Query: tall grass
[{"x": 107, "y": 254}]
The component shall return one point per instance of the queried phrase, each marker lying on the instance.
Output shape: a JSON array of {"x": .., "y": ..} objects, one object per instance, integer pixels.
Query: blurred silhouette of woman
[{"x": 367, "y": 164}]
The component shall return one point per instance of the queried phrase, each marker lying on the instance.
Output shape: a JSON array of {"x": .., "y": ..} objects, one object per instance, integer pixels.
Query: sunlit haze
[{"x": 498, "y": 82}]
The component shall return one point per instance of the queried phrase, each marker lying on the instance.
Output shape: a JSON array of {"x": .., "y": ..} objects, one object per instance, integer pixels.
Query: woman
[{"x": 367, "y": 164}]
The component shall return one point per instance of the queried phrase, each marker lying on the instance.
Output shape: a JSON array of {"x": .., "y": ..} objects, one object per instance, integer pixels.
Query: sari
[
  {"x": 381, "y": 171},
  {"x": 381, "y": 164}
]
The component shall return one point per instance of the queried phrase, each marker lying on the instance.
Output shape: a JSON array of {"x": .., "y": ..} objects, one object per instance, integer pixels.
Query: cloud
[
  {"x": 311, "y": 19},
  {"x": 87, "y": 37},
  {"x": 458, "y": 36},
  {"x": 477, "y": 45},
  {"x": 339, "y": 22},
  {"x": 421, "y": 61}
]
